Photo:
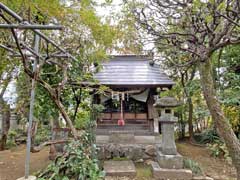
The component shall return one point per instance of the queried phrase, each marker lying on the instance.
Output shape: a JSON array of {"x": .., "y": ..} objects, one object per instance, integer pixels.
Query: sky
[{"x": 11, "y": 95}]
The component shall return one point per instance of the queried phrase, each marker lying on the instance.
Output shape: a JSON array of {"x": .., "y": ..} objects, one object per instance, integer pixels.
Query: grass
[
  {"x": 120, "y": 159},
  {"x": 143, "y": 172}
]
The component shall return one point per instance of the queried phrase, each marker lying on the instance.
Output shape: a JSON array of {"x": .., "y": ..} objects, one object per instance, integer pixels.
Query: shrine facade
[{"x": 134, "y": 83}]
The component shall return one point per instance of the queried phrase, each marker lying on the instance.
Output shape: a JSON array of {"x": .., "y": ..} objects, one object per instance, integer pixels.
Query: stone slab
[
  {"x": 170, "y": 161},
  {"x": 170, "y": 174},
  {"x": 101, "y": 139},
  {"x": 29, "y": 178},
  {"x": 148, "y": 139},
  {"x": 145, "y": 139},
  {"x": 117, "y": 137},
  {"x": 202, "y": 178},
  {"x": 119, "y": 168}
]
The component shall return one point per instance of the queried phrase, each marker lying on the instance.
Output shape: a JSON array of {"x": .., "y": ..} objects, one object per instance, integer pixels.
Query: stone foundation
[
  {"x": 120, "y": 168},
  {"x": 135, "y": 152}
]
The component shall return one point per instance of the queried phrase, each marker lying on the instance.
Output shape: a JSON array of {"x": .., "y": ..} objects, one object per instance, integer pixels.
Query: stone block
[
  {"x": 150, "y": 150},
  {"x": 144, "y": 139},
  {"x": 137, "y": 153},
  {"x": 170, "y": 161},
  {"x": 100, "y": 139},
  {"x": 170, "y": 174},
  {"x": 119, "y": 168},
  {"x": 29, "y": 178},
  {"x": 202, "y": 178}
]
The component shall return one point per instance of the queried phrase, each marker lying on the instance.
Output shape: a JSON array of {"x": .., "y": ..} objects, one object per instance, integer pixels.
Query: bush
[
  {"x": 208, "y": 136},
  {"x": 215, "y": 144},
  {"x": 78, "y": 162},
  {"x": 194, "y": 166},
  {"x": 43, "y": 135},
  {"x": 82, "y": 119},
  {"x": 11, "y": 139},
  {"x": 219, "y": 149}
]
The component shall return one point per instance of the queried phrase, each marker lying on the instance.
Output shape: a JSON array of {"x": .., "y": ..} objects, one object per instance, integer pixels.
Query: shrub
[
  {"x": 78, "y": 162},
  {"x": 208, "y": 136},
  {"x": 219, "y": 149},
  {"x": 215, "y": 144},
  {"x": 194, "y": 166},
  {"x": 11, "y": 139},
  {"x": 82, "y": 119},
  {"x": 43, "y": 135}
]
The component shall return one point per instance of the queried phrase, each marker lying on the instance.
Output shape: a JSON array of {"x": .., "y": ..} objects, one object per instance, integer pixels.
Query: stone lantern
[{"x": 168, "y": 156}]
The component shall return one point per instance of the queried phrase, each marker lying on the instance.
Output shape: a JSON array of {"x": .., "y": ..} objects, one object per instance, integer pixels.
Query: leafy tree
[
  {"x": 84, "y": 36},
  {"x": 227, "y": 66},
  {"x": 7, "y": 74},
  {"x": 198, "y": 28}
]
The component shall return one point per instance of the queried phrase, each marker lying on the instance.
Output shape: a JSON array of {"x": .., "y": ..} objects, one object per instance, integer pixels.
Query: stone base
[
  {"x": 29, "y": 178},
  {"x": 170, "y": 174},
  {"x": 133, "y": 152},
  {"x": 119, "y": 168},
  {"x": 170, "y": 161}
]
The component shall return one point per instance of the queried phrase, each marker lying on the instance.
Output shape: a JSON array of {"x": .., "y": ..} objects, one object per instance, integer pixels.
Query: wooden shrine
[{"x": 134, "y": 83}]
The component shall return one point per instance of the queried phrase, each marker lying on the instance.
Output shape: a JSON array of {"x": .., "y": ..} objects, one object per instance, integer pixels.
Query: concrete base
[
  {"x": 170, "y": 161},
  {"x": 170, "y": 174},
  {"x": 119, "y": 168},
  {"x": 29, "y": 178}
]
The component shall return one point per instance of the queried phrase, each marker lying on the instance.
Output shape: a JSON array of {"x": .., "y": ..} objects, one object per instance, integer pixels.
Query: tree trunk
[
  {"x": 76, "y": 110},
  {"x": 5, "y": 111},
  {"x": 182, "y": 126},
  {"x": 222, "y": 125},
  {"x": 33, "y": 132},
  {"x": 60, "y": 107},
  {"x": 66, "y": 117},
  {"x": 78, "y": 100},
  {"x": 190, "y": 119},
  {"x": 189, "y": 99}
]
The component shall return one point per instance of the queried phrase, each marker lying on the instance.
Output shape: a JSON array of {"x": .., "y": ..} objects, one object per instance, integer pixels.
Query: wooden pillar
[{"x": 152, "y": 112}]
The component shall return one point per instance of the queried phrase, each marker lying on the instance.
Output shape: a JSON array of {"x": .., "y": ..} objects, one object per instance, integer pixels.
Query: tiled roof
[{"x": 132, "y": 71}]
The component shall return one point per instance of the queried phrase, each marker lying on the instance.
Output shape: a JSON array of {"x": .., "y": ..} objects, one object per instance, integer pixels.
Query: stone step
[
  {"x": 135, "y": 132},
  {"x": 126, "y": 122},
  {"x": 170, "y": 174},
  {"x": 120, "y": 168},
  {"x": 127, "y": 126},
  {"x": 136, "y": 129}
]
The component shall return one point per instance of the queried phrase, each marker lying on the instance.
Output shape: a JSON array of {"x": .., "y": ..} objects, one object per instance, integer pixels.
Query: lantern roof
[{"x": 167, "y": 102}]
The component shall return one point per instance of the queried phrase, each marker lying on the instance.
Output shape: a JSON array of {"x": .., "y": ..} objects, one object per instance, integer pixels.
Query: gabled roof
[{"x": 131, "y": 70}]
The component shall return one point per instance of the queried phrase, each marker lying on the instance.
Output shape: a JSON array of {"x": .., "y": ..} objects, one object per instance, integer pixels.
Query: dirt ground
[
  {"x": 216, "y": 168},
  {"x": 12, "y": 163}
]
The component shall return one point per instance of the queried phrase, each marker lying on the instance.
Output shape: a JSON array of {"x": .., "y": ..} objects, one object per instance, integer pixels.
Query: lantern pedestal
[
  {"x": 168, "y": 139},
  {"x": 170, "y": 161}
]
